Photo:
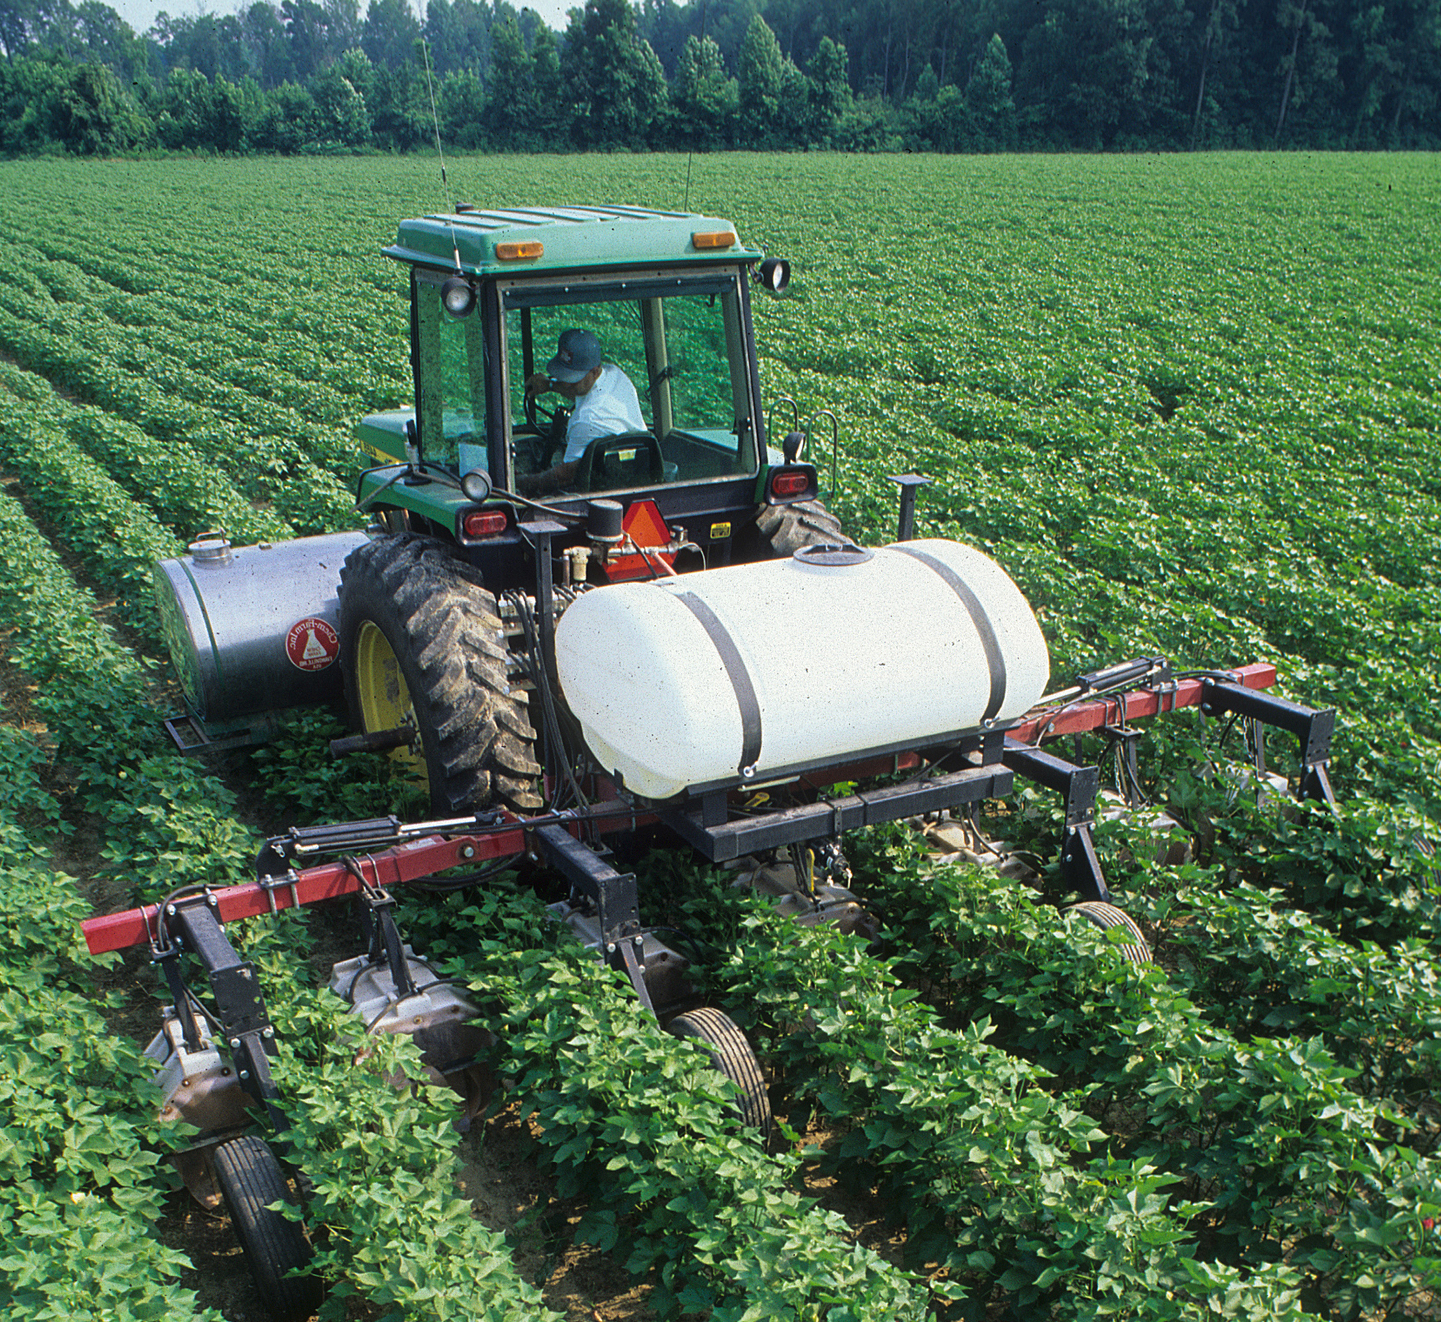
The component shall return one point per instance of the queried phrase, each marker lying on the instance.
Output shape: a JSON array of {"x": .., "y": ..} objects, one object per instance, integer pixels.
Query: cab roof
[{"x": 512, "y": 242}]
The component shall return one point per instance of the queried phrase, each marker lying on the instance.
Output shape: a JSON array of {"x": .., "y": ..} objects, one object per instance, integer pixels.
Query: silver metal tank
[{"x": 253, "y": 629}]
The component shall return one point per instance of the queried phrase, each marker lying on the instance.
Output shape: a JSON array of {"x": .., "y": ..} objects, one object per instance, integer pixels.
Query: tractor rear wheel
[
  {"x": 421, "y": 644},
  {"x": 252, "y": 1182},
  {"x": 785, "y": 529},
  {"x": 731, "y": 1054},
  {"x": 1107, "y": 916}
]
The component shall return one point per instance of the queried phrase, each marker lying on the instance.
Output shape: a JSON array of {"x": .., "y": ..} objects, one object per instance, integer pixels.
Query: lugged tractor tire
[
  {"x": 421, "y": 639},
  {"x": 731, "y": 1054},
  {"x": 252, "y": 1182},
  {"x": 1106, "y": 916},
  {"x": 785, "y": 529}
]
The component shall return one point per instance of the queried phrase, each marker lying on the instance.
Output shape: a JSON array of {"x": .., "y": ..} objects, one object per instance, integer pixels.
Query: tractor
[{"x": 565, "y": 636}]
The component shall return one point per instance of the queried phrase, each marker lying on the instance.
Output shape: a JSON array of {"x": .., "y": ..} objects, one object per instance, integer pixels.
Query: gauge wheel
[
  {"x": 422, "y": 647},
  {"x": 731, "y": 1054},
  {"x": 1106, "y": 916},
  {"x": 785, "y": 529},
  {"x": 252, "y": 1183}
]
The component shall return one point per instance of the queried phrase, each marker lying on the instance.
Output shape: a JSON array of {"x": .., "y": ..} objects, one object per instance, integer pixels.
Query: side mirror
[
  {"x": 792, "y": 446},
  {"x": 476, "y": 485}
]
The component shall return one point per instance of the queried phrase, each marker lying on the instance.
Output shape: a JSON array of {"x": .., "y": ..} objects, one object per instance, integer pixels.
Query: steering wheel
[
  {"x": 548, "y": 424},
  {"x": 616, "y": 461}
]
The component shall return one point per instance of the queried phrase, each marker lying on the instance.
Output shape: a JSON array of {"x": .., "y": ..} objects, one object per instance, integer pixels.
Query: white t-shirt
[{"x": 608, "y": 408}]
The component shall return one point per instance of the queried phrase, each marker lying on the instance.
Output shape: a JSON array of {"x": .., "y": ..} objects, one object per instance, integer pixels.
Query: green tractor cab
[{"x": 667, "y": 298}]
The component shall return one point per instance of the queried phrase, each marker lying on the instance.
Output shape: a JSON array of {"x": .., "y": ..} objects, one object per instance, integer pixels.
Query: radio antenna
[
  {"x": 690, "y": 155},
  {"x": 440, "y": 152}
]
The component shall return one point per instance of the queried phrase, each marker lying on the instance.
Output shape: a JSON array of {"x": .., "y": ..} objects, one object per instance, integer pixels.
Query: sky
[{"x": 140, "y": 14}]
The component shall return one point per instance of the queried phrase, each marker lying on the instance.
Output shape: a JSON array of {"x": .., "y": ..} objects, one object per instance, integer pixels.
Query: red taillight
[
  {"x": 785, "y": 484},
  {"x": 483, "y": 523}
]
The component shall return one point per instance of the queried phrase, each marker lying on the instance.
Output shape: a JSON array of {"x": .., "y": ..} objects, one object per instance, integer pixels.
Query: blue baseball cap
[{"x": 578, "y": 355}]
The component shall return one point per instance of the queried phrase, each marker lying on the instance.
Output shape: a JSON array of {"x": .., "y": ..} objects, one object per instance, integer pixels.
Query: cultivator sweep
[{"x": 638, "y": 653}]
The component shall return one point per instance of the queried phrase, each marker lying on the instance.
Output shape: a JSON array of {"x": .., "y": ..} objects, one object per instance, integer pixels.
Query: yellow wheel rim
[{"x": 384, "y": 697}]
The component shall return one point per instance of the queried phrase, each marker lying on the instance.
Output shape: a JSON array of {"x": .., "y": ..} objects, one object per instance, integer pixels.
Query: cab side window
[{"x": 452, "y": 387}]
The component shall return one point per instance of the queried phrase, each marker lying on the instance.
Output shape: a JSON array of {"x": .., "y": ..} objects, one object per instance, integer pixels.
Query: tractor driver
[{"x": 605, "y": 404}]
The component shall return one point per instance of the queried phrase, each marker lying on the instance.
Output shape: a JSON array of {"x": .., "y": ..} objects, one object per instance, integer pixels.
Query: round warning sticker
[{"x": 311, "y": 644}]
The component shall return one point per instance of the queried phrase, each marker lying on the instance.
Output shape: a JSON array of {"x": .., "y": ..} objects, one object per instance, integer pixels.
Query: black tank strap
[
  {"x": 740, "y": 679},
  {"x": 990, "y": 644}
]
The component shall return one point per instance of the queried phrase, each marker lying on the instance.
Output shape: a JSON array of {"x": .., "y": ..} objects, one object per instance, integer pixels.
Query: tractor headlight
[
  {"x": 773, "y": 274},
  {"x": 476, "y": 485}
]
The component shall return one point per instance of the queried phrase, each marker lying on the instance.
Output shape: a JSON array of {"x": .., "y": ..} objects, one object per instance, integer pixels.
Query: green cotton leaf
[
  {"x": 598, "y": 1228},
  {"x": 1015, "y": 1278}
]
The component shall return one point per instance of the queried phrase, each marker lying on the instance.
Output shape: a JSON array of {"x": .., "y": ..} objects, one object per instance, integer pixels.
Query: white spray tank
[{"x": 746, "y": 674}]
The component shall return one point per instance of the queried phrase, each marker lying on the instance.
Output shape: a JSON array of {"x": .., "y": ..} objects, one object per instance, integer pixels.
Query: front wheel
[
  {"x": 422, "y": 648},
  {"x": 252, "y": 1183}
]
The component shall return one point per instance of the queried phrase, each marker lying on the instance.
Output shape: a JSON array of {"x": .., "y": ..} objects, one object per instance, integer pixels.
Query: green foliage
[
  {"x": 687, "y": 1200},
  {"x": 164, "y": 816},
  {"x": 1072, "y": 75},
  {"x": 383, "y": 1164},
  {"x": 308, "y": 785},
  {"x": 22, "y": 767},
  {"x": 1006, "y": 1182},
  {"x": 1271, "y": 1137},
  {"x": 79, "y": 1193}
]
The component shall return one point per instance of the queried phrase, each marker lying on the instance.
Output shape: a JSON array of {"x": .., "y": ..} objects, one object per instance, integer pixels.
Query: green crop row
[
  {"x": 999, "y": 1178},
  {"x": 381, "y": 1162},
  {"x": 1266, "y": 1135},
  {"x": 62, "y": 345},
  {"x": 235, "y": 313},
  {"x": 81, "y": 1145},
  {"x": 639, "y": 1121},
  {"x": 178, "y": 346},
  {"x": 106, "y": 346},
  {"x": 210, "y": 327},
  {"x": 159, "y": 815},
  {"x": 187, "y": 495},
  {"x": 79, "y": 1193},
  {"x": 94, "y": 516},
  {"x": 80, "y": 1141},
  {"x": 1267, "y": 969}
]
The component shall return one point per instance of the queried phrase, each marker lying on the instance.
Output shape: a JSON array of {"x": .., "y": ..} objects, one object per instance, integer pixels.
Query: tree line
[{"x": 868, "y": 75}]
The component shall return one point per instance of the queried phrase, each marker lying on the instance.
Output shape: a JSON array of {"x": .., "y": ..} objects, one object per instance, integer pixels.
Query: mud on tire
[{"x": 410, "y": 596}]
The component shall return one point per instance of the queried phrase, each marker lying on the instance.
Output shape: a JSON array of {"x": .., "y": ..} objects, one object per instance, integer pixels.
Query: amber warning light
[
  {"x": 714, "y": 239},
  {"x": 519, "y": 250}
]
